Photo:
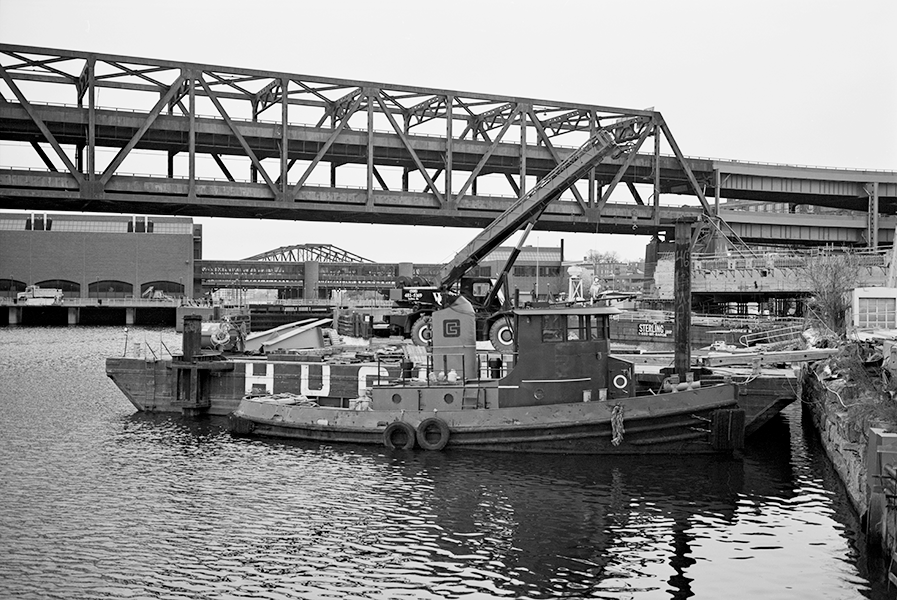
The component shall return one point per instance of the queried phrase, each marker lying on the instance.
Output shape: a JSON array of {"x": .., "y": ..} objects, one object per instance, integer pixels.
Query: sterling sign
[{"x": 652, "y": 330}]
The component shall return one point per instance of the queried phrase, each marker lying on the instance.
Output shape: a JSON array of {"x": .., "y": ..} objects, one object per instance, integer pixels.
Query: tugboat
[{"x": 563, "y": 394}]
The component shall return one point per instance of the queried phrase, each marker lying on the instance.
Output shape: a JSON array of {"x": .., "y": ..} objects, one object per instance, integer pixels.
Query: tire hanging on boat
[
  {"x": 432, "y": 434},
  {"x": 422, "y": 331},
  {"x": 501, "y": 334},
  {"x": 399, "y": 436}
]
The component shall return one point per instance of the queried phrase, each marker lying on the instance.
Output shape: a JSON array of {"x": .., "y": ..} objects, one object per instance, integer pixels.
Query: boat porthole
[
  {"x": 620, "y": 382},
  {"x": 539, "y": 394},
  {"x": 448, "y": 398},
  {"x": 396, "y": 398}
]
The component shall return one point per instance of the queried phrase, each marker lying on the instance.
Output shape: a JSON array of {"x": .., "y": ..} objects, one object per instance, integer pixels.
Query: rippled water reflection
[{"x": 99, "y": 501}]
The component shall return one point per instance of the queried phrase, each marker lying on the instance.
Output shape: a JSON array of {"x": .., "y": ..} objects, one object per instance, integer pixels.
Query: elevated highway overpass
[{"x": 202, "y": 140}]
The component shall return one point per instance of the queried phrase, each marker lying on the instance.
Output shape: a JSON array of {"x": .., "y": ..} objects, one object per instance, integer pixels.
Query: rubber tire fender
[
  {"x": 399, "y": 427},
  {"x": 426, "y": 429},
  {"x": 501, "y": 328},
  {"x": 422, "y": 331}
]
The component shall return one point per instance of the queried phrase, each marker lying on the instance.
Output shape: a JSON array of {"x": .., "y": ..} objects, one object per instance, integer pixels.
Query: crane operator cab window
[{"x": 481, "y": 289}]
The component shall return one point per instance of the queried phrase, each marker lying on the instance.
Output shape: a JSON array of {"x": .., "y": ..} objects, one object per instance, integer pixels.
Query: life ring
[
  {"x": 399, "y": 435},
  {"x": 621, "y": 382},
  {"x": 432, "y": 434}
]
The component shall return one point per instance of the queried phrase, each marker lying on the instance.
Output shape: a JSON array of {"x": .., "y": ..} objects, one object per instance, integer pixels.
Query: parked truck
[{"x": 38, "y": 296}]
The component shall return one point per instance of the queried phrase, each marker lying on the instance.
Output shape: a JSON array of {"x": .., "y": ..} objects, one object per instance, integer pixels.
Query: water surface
[{"x": 98, "y": 501}]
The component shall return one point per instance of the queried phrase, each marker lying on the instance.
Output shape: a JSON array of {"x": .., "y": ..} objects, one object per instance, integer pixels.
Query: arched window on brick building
[
  {"x": 110, "y": 289},
  {"x": 10, "y": 287},
  {"x": 69, "y": 288}
]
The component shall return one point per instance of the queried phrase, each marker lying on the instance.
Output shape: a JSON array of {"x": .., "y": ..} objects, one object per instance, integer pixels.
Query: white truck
[{"x": 38, "y": 296}]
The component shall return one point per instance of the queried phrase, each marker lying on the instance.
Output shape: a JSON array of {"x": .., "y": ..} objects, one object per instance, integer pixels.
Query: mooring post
[
  {"x": 682, "y": 296},
  {"x": 192, "y": 336}
]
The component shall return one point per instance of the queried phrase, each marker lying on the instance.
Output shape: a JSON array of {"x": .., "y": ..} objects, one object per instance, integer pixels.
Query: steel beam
[
  {"x": 483, "y": 160},
  {"x": 323, "y": 151},
  {"x": 414, "y": 156},
  {"x": 246, "y": 148},
  {"x": 73, "y": 171}
]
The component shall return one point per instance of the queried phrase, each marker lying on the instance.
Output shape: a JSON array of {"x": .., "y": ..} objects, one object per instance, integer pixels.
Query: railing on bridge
[
  {"x": 778, "y": 259},
  {"x": 768, "y": 272}
]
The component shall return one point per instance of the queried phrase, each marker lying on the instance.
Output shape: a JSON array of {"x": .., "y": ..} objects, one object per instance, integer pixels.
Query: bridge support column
[
  {"x": 310, "y": 281},
  {"x": 74, "y": 315},
  {"x": 872, "y": 225},
  {"x": 15, "y": 315},
  {"x": 130, "y": 315},
  {"x": 682, "y": 300}
]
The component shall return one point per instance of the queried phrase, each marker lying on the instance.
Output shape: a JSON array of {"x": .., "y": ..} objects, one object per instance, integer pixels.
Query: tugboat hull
[{"x": 698, "y": 421}]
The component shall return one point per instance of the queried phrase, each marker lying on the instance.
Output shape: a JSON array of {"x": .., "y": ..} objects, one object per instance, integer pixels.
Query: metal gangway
[{"x": 778, "y": 336}]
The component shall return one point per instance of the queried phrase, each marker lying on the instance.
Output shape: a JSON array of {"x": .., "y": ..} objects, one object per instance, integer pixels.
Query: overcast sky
[{"x": 800, "y": 82}]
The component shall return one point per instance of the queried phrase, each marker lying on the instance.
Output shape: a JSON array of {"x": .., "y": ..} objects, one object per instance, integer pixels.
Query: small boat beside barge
[{"x": 563, "y": 394}]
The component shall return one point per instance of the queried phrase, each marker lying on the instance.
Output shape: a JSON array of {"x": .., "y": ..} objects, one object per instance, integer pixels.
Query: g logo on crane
[{"x": 451, "y": 328}]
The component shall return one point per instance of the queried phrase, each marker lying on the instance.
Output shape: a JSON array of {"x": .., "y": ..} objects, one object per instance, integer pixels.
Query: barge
[{"x": 205, "y": 381}]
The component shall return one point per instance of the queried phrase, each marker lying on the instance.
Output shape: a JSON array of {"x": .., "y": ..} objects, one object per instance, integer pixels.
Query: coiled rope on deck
[{"x": 616, "y": 424}]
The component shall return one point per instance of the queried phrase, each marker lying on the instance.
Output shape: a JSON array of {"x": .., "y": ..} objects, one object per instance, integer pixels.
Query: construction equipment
[
  {"x": 153, "y": 294},
  {"x": 39, "y": 296},
  {"x": 489, "y": 297},
  {"x": 419, "y": 301}
]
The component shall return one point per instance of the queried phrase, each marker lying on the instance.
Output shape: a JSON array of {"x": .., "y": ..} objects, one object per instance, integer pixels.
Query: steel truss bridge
[
  {"x": 232, "y": 142},
  {"x": 310, "y": 252}
]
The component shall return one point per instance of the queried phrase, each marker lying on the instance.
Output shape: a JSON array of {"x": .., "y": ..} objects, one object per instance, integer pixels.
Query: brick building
[{"x": 91, "y": 256}]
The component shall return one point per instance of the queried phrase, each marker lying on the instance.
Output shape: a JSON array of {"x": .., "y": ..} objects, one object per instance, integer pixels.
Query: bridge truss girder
[{"x": 444, "y": 142}]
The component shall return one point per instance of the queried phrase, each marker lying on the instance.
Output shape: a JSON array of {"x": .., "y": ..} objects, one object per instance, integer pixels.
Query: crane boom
[{"x": 530, "y": 206}]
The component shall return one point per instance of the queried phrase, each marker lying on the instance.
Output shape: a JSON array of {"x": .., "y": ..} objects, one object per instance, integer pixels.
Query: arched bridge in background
[
  {"x": 102, "y": 133},
  {"x": 310, "y": 252}
]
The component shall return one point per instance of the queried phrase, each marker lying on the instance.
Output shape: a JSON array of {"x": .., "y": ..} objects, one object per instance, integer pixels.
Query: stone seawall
[
  {"x": 845, "y": 441},
  {"x": 864, "y": 455}
]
